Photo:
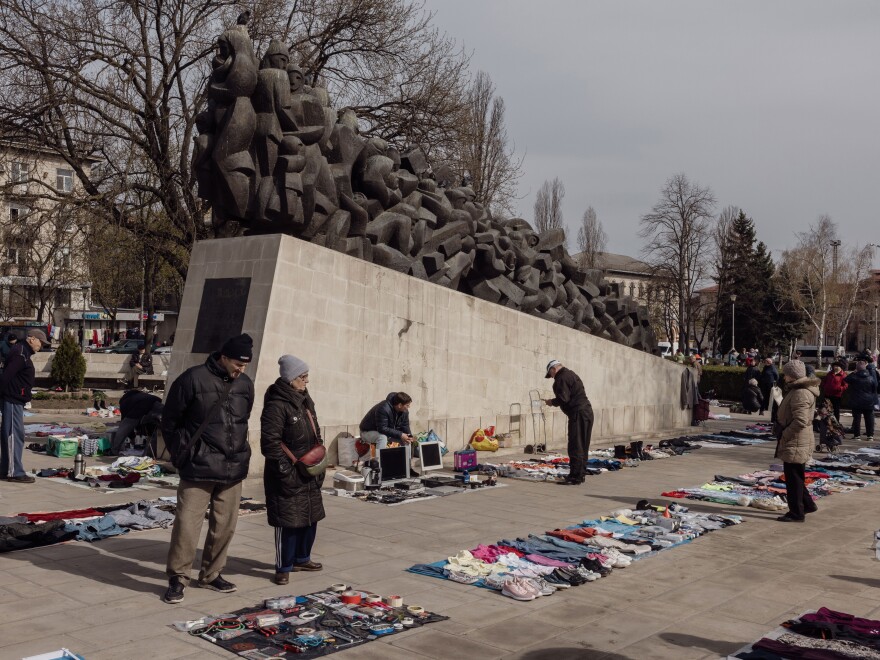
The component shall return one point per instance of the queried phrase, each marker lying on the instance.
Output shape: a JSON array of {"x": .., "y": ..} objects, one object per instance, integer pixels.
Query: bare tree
[
  {"x": 548, "y": 205},
  {"x": 486, "y": 158},
  {"x": 592, "y": 239},
  {"x": 119, "y": 85},
  {"x": 678, "y": 233},
  {"x": 824, "y": 293}
]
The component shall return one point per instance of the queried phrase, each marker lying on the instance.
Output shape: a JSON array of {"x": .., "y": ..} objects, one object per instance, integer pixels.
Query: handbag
[
  {"x": 314, "y": 461},
  {"x": 184, "y": 456}
]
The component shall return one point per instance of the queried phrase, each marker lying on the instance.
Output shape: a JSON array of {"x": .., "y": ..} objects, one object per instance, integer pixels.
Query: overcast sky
[{"x": 773, "y": 105}]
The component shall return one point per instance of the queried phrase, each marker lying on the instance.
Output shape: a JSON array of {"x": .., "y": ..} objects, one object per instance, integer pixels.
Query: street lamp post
[
  {"x": 85, "y": 339},
  {"x": 733, "y": 322},
  {"x": 876, "y": 343}
]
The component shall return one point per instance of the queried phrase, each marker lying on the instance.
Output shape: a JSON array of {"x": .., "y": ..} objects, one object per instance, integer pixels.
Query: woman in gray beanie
[
  {"x": 289, "y": 425},
  {"x": 794, "y": 430}
]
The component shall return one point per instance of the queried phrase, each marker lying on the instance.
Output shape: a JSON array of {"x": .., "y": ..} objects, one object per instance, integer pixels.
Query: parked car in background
[
  {"x": 162, "y": 350},
  {"x": 129, "y": 346}
]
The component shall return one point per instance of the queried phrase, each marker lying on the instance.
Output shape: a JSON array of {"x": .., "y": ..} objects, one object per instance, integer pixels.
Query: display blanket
[
  {"x": 309, "y": 626},
  {"x": 824, "y": 633},
  {"x": 536, "y": 565}
]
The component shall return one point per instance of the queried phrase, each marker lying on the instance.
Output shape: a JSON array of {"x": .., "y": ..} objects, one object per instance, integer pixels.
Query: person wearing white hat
[{"x": 571, "y": 397}]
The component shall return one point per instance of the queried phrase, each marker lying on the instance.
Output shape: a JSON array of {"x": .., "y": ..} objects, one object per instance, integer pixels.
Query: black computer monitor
[
  {"x": 392, "y": 463},
  {"x": 430, "y": 456}
]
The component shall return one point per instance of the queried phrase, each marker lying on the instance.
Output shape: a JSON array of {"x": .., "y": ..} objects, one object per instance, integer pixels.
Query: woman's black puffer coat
[{"x": 293, "y": 497}]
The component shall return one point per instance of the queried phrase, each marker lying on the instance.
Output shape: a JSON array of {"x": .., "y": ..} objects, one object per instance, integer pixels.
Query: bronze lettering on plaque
[{"x": 221, "y": 312}]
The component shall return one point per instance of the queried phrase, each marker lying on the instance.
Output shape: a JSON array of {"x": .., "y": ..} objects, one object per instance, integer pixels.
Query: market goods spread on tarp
[
  {"x": 554, "y": 467},
  {"x": 765, "y": 489},
  {"x": 31, "y": 530},
  {"x": 817, "y": 636},
  {"x": 526, "y": 568},
  {"x": 134, "y": 472},
  {"x": 310, "y": 626}
]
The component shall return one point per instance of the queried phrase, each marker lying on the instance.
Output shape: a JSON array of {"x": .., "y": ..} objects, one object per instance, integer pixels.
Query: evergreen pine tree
[{"x": 69, "y": 364}]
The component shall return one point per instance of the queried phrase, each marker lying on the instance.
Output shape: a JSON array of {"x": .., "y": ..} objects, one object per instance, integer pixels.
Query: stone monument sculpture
[{"x": 273, "y": 156}]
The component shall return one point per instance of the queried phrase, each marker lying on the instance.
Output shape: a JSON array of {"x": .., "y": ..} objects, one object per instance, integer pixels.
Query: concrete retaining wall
[{"x": 365, "y": 330}]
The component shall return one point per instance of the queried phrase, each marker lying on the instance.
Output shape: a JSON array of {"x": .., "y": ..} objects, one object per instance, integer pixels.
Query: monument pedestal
[{"x": 365, "y": 331}]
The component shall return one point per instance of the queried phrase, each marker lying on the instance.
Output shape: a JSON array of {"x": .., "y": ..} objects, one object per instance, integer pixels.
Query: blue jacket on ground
[
  {"x": 862, "y": 389},
  {"x": 384, "y": 419}
]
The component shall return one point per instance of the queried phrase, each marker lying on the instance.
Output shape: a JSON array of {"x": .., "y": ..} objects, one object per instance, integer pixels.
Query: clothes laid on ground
[
  {"x": 765, "y": 489},
  {"x": 414, "y": 492},
  {"x": 309, "y": 626},
  {"x": 526, "y": 568},
  {"x": 820, "y": 635},
  {"x": 38, "y": 529}
]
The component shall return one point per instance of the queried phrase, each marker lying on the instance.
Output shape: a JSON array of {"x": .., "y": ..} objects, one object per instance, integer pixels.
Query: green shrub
[
  {"x": 69, "y": 364},
  {"x": 726, "y": 381}
]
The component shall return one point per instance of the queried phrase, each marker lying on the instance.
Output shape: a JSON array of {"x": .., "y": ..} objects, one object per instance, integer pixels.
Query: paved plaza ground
[{"x": 701, "y": 600}]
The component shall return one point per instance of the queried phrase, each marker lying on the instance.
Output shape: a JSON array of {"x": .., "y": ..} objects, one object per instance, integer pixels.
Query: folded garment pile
[
  {"x": 538, "y": 565},
  {"x": 29, "y": 530},
  {"x": 818, "y": 635},
  {"x": 735, "y": 438},
  {"x": 310, "y": 626},
  {"x": 765, "y": 489}
]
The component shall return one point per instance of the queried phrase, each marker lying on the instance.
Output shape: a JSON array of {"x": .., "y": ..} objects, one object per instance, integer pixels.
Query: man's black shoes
[
  {"x": 174, "y": 594},
  {"x": 23, "y": 479},
  {"x": 219, "y": 584},
  {"x": 571, "y": 482}
]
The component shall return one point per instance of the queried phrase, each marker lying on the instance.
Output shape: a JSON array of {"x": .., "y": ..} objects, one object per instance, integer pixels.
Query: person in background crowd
[
  {"x": 6, "y": 346},
  {"x": 205, "y": 425},
  {"x": 794, "y": 430},
  {"x": 679, "y": 357},
  {"x": 769, "y": 377},
  {"x": 389, "y": 420},
  {"x": 862, "y": 393},
  {"x": 811, "y": 370},
  {"x": 289, "y": 427},
  {"x": 140, "y": 364},
  {"x": 752, "y": 399},
  {"x": 871, "y": 366},
  {"x": 733, "y": 357},
  {"x": 16, "y": 384},
  {"x": 571, "y": 397},
  {"x": 752, "y": 372},
  {"x": 833, "y": 386}
]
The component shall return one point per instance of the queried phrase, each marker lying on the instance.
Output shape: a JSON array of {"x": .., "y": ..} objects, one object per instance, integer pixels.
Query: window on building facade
[
  {"x": 62, "y": 258},
  {"x": 641, "y": 290},
  {"x": 18, "y": 172},
  {"x": 64, "y": 180},
  {"x": 632, "y": 289},
  {"x": 62, "y": 297}
]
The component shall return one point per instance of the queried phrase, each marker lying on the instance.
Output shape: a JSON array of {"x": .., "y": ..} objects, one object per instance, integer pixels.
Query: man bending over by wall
[{"x": 389, "y": 420}]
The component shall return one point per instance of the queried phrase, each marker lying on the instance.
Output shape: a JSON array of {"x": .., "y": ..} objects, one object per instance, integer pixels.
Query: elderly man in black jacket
[
  {"x": 16, "y": 384},
  {"x": 572, "y": 399},
  {"x": 205, "y": 425}
]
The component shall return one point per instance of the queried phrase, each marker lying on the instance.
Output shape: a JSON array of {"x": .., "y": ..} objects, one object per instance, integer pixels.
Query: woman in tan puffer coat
[{"x": 796, "y": 441}]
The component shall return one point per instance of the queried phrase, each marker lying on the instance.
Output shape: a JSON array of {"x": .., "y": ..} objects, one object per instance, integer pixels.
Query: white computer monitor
[
  {"x": 392, "y": 464},
  {"x": 430, "y": 456}
]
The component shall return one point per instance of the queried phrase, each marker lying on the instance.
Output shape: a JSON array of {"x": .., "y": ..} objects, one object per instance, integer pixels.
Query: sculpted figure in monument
[
  {"x": 233, "y": 81},
  {"x": 272, "y": 102}
]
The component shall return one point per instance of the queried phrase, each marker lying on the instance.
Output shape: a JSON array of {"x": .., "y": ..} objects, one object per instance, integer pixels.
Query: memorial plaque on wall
[{"x": 221, "y": 312}]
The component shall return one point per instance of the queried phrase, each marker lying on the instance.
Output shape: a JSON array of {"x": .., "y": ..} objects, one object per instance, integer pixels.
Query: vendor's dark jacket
[
  {"x": 293, "y": 497},
  {"x": 223, "y": 452},
  {"x": 752, "y": 399},
  {"x": 862, "y": 389},
  {"x": 145, "y": 360},
  {"x": 769, "y": 376},
  {"x": 135, "y": 404},
  {"x": 752, "y": 372},
  {"x": 17, "y": 380},
  {"x": 384, "y": 419},
  {"x": 569, "y": 393}
]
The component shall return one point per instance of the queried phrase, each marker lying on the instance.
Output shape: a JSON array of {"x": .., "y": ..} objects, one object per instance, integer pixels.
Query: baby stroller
[{"x": 830, "y": 430}]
